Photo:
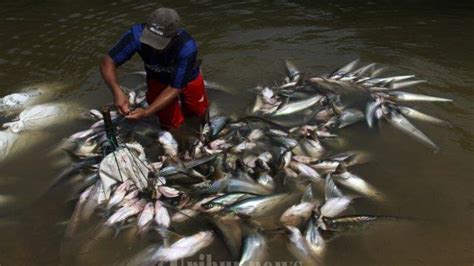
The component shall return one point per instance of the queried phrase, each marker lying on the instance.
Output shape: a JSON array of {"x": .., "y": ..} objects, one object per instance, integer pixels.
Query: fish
[
  {"x": 125, "y": 212},
  {"x": 334, "y": 206},
  {"x": 336, "y": 74},
  {"x": 345, "y": 223},
  {"x": 254, "y": 249},
  {"x": 331, "y": 190},
  {"x": 259, "y": 206},
  {"x": 306, "y": 171},
  {"x": 411, "y": 97},
  {"x": 314, "y": 239},
  {"x": 170, "y": 145},
  {"x": 399, "y": 121},
  {"x": 76, "y": 215},
  {"x": 119, "y": 194},
  {"x": 357, "y": 184},
  {"x": 292, "y": 71},
  {"x": 297, "y": 214},
  {"x": 300, "y": 248},
  {"x": 415, "y": 114},
  {"x": 243, "y": 186},
  {"x": 309, "y": 147},
  {"x": 168, "y": 192},
  {"x": 185, "y": 247},
  {"x": 229, "y": 229},
  {"x": 145, "y": 217},
  {"x": 297, "y": 106},
  {"x": 162, "y": 217},
  {"x": 370, "y": 112}
]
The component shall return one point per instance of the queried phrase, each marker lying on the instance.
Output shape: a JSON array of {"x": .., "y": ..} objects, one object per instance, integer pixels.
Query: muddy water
[{"x": 57, "y": 45}]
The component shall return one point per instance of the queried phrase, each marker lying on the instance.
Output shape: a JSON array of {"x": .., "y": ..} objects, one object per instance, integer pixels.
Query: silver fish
[
  {"x": 300, "y": 248},
  {"x": 412, "y": 113},
  {"x": 297, "y": 214},
  {"x": 254, "y": 250},
  {"x": 145, "y": 217},
  {"x": 357, "y": 184},
  {"x": 411, "y": 97},
  {"x": 293, "y": 73},
  {"x": 314, "y": 239},
  {"x": 125, "y": 212},
  {"x": 400, "y": 122},
  {"x": 162, "y": 217},
  {"x": 185, "y": 247},
  {"x": 119, "y": 194},
  {"x": 298, "y": 106},
  {"x": 259, "y": 206}
]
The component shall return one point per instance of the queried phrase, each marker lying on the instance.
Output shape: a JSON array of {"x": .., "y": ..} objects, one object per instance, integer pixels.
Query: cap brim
[{"x": 154, "y": 40}]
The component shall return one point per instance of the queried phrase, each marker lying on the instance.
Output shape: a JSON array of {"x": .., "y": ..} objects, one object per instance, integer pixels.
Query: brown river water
[{"x": 57, "y": 45}]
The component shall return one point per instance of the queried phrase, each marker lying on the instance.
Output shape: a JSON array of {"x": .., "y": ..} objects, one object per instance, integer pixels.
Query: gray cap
[{"x": 160, "y": 28}]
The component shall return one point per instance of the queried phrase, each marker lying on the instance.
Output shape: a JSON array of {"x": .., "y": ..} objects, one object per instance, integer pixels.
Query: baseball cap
[{"x": 160, "y": 28}]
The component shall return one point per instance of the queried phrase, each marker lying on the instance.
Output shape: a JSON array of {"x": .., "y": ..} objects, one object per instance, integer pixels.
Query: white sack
[
  {"x": 18, "y": 101},
  {"x": 7, "y": 139},
  {"x": 37, "y": 117},
  {"x": 127, "y": 162}
]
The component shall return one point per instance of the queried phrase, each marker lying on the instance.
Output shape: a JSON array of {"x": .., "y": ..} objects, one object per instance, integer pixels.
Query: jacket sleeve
[{"x": 125, "y": 48}]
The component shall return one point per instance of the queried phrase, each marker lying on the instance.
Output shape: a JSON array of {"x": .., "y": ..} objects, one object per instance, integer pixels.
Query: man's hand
[
  {"x": 121, "y": 103},
  {"x": 137, "y": 114}
]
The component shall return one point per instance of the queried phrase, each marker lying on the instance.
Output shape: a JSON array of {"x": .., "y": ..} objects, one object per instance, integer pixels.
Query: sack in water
[
  {"x": 7, "y": 140},
  {"x": 37, "y": 117}
]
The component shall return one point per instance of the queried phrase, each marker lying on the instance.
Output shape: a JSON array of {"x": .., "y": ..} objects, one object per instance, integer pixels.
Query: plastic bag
[
  {"x": 7, "y": 140},
  {"x": 127, "y": 162},
  {"x": 37, "y": 117}
]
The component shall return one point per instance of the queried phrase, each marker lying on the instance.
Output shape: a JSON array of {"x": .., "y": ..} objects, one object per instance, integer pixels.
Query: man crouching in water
[{"x": 175, "y": 84}]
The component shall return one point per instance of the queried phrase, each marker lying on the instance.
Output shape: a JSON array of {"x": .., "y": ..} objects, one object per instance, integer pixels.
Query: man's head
[{"x": 162, "y": 25}]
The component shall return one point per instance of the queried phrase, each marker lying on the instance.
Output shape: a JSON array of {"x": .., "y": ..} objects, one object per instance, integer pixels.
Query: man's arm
[
  {"x": 158, "y": 104},
  {"x": 108, "y": 70}
]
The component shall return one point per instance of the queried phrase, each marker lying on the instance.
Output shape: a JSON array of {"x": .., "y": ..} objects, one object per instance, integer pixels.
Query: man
[{"x": 170, "y": 57}]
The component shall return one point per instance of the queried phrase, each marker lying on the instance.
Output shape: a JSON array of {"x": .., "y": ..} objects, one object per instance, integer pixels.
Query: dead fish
[
  {"x": 76, "y": 215},
  {"x": 314, "y": 239},
  {"x": 370, "y": 112},
  {"x": 183, "y": 215},
  {"x": 334, "y": 206},
  {"x": 168, "y": 192},
  {"x": 309, "y": 147},
  {"x": 331, "y": 190},
  {"x": 292, "y": 71},
  {"x": 306, "y": 171},
  {"x": 411, "y": 97},
  {"x": 244, "y": 186},
  {"x": 357, "y": 184},
  {"x": 297, "y": 214},
  {"x": 185, "y": 247},
  {"x": 162, "y": 217},
  {"x": 298, "y": 106},
  {"x": 399, "y": 121},
  {"x": 299, "y": 247},
  {"x": 259, "y": 206},
  {"x": 229, "y": 229},
  {"x": 254, "y": 249},
  {"x": 170, "y": 145},
  {"x": 125, "y": 212},
  {"x": 415, "y": 114},
  {"x": 119, "y": 194},
  {"x": 336, "y": 74},
  {"x": 145, "y": 217}
]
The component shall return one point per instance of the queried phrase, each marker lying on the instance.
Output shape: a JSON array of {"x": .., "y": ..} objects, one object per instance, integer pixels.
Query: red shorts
[{"x": 193, "y": 99}]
